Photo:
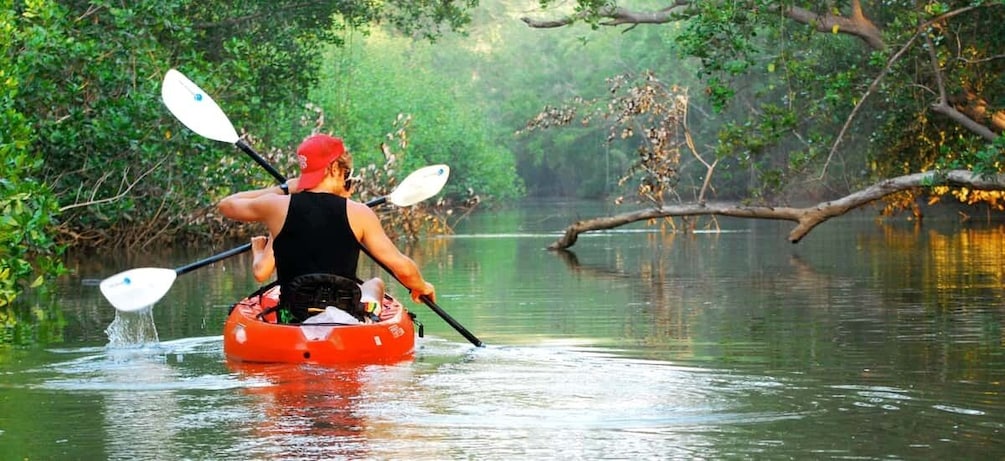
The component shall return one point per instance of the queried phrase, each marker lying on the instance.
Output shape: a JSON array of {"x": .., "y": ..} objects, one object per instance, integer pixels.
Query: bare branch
[
  {"x": 858, "y": 24},
  {"x": 616, "y": 15},
  {"x": 966, "y": 122},
  {"x": 942, "y": 105},
  {"x": 118, "y": 196},
  {"x": 805, "y": 218},
  {"x": 981, "y": 60},
  {"x": 689, "y": 142}
]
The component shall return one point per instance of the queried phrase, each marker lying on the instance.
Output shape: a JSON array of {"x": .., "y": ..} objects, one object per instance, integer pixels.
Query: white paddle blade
[
  {"x": 195, "y": 109},
  {"x": 135, "y": 289},
  {"x": 420, "y": 185}
]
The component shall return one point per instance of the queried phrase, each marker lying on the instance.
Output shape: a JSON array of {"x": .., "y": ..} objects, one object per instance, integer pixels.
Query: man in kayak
[
  {"x": 371, "y": 291},
  {"x": 318, "y": 230}
]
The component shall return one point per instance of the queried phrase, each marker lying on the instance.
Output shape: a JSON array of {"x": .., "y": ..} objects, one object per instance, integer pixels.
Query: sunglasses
[{"x": 351, "y": 178}]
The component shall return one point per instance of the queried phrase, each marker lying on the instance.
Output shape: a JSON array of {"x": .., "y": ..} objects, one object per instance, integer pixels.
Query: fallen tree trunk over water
[{"x": 805, "y": 218}]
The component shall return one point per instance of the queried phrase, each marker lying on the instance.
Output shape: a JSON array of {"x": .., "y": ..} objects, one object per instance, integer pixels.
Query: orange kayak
[{"x": 249, "y": 336}]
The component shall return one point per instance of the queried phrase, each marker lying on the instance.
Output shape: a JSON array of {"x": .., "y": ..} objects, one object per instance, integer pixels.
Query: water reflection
[
  {"x": 316, "y": 412},
  {"x": 864, "y": 341},
  {"x": 305, "y": 411},
  {"x": 559, "y": 401},
  {"x": 136, "y": 403},
  {"x": 136, "y": 393}
]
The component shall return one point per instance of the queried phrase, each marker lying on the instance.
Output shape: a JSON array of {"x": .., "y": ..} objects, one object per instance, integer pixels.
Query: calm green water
[{"x": 865, "y": 341}]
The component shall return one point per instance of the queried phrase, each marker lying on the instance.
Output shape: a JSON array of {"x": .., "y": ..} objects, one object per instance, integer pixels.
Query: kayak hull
[{"x": 249, "y": 336}]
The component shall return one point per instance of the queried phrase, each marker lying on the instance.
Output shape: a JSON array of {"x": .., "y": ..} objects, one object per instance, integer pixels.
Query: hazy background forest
[{"x": 91, "y": 158}]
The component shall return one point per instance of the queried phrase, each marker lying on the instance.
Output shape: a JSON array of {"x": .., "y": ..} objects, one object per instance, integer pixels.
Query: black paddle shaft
[
  {"x": 212, "y": 259},
  {"x": 432, "y": 305},
  {"x": 260, "y": 161}
]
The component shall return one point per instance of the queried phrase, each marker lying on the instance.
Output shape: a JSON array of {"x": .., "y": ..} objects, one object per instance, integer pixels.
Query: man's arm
[
  {"x": 376, "y": 241},
  {"x": 241, "y": 206},
  {"x": 261, "y": 205}
]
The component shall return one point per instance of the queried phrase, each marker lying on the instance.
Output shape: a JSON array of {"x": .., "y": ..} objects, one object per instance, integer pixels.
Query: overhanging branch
[
  {"x": 805, "y": 218},
  {"x": 615, "y": 15}
]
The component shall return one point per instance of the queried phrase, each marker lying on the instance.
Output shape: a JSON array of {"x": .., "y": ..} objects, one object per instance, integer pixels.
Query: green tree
[
  {"x": 383, "y": 77},
  {"x": 824, "y": 98},
  {"x": 817, "y": 81},
  {"x": 125, "y": 172}
]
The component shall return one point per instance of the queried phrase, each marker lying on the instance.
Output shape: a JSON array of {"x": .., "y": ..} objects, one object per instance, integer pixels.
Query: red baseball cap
[{"x": 315, "y": 154}]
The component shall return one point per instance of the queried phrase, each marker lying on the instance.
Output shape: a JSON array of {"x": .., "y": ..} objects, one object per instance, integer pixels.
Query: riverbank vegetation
[
  {"x": 651, "y": 103},
  {"x": 92, "y": 159},
  {"x": 845, "y": 103}
]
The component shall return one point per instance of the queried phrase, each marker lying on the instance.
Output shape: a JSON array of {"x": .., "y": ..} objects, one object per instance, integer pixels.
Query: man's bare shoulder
[
  {"x": 274, "y": 200},
  {"x": 359, "y": 209}
]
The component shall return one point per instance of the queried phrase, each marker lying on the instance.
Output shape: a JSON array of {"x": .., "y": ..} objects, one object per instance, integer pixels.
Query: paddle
[
  {"x": 198, "y": 112},
  {"x": 137, "y": 288}
]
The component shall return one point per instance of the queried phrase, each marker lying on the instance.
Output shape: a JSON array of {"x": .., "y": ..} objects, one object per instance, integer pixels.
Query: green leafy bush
[{"x": 28, "y": 252}]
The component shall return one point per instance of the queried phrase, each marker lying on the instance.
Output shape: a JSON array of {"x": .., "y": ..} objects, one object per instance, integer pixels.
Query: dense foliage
[
  {"x": 28, "y": 206},
  {"x": 85, "y": 130},
  {"x": 812, "y": 99},
  {"x": 125, "y": 172},
  {"x": 788, "y": 100}
]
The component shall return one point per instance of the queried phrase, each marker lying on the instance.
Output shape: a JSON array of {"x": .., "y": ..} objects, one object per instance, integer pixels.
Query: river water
[{"x": 868, "y": 340}]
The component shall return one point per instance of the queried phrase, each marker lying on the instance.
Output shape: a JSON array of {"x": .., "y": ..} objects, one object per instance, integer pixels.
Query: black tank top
[{"x": 316, "y": 238}]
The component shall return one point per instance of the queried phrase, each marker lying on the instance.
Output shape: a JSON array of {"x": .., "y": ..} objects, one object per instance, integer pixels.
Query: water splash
[{"x": 132, "y": 329}]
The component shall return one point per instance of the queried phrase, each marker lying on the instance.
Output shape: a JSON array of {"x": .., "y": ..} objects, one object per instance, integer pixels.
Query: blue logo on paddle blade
[{"x": 198, "y": 96}]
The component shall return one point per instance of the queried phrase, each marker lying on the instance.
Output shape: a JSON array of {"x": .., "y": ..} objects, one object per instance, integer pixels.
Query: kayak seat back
[{"x": 310, "y": 294}]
